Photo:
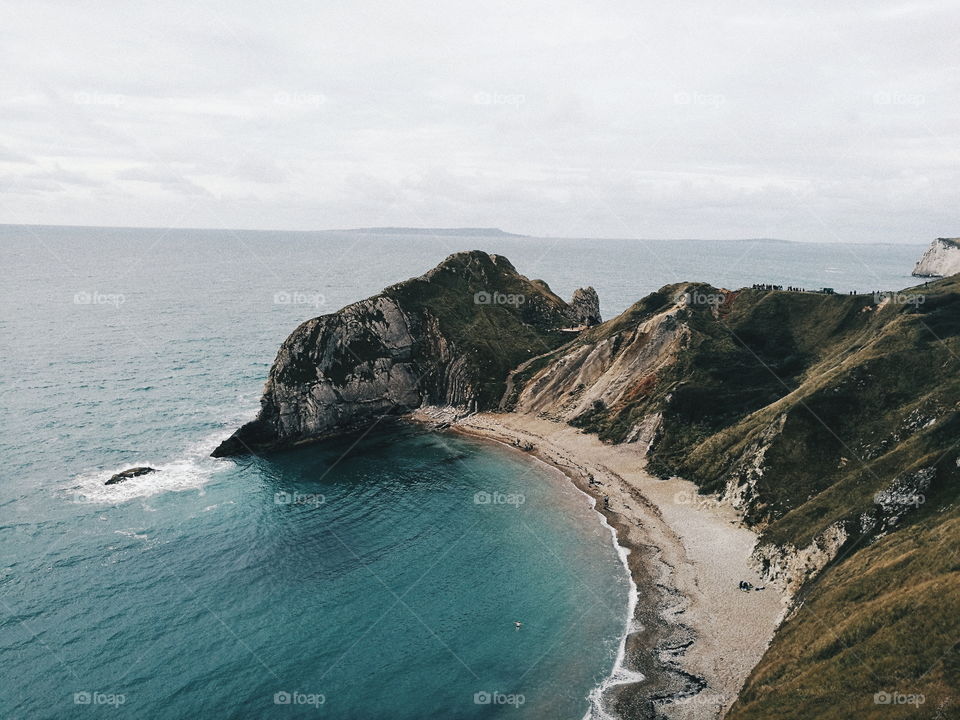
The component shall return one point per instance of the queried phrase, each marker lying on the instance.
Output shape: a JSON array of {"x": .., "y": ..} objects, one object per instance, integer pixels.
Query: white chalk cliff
[{"x": 941, "y": 259}]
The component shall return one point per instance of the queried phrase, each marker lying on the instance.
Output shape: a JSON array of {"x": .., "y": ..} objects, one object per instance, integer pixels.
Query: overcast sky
[{"x": 805, "y": 121}]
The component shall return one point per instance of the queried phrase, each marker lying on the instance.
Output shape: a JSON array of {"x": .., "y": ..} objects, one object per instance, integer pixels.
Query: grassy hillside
[
  {"x": 883, "y": 620},
  {"x": 822, "y": 411}
]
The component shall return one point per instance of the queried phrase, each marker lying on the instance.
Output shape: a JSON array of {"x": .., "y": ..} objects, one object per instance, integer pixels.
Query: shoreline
[
  {"x": 693, "y": 636},
  {"x": 619, "y": 674}
]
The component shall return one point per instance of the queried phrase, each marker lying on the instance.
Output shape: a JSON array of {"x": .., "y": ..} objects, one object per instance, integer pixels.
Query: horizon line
[{"x": 438, "y": 230}]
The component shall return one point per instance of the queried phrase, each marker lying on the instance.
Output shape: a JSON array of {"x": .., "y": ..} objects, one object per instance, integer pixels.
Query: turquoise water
[{"x": 382, "y": 587}]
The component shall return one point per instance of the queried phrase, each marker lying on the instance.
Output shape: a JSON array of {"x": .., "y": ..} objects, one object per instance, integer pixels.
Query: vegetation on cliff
[
  {"x": 832, "y": 422},
  {"x": 495, "y": 316}
]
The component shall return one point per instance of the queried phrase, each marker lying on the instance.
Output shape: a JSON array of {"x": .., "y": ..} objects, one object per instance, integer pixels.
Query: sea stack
[
  {"x": 941, "y": 259},
  {"x": 586, "y": 305}
]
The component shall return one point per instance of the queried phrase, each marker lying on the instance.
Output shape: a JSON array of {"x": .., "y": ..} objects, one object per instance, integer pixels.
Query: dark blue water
[{"x": 371, "y": 581}]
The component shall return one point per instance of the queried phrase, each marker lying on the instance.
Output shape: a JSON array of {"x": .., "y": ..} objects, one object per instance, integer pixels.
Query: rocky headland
[
  {"x": 449, "y": 337},
  {"x": 816, "y": 435}
]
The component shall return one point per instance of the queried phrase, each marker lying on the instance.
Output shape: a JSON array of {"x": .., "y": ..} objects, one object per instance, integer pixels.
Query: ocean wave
[
  {"x": 191, "y": 471},
  {"x": 620, "y": 674}
]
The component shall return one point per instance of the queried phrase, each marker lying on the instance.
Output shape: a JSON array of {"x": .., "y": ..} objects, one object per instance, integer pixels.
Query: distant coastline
[{"x": 466, "y": 232}]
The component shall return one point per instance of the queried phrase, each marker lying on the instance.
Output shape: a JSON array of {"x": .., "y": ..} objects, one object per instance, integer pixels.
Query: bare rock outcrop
[
  {"x": 133, "y": 472},
  {"x": 585, "y": 306}
]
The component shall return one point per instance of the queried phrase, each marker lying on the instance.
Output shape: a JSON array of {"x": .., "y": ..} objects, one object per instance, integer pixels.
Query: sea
[{"x": 368, "y": 578}]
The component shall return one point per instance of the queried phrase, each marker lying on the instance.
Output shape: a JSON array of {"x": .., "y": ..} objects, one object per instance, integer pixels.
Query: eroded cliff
[{"x": 448, "y": 337}]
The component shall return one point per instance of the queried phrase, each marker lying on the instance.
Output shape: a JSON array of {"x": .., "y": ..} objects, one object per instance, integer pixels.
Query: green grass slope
[
  {"x": 817, "y": 409},
  {"x": 876, "y": 636}
]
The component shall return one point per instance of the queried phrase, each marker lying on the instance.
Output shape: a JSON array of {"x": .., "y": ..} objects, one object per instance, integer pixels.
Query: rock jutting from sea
[{"x": 448, "y": 337}]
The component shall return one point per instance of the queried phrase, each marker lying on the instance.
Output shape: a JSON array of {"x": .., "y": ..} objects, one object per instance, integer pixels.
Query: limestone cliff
[
  {"x": 448, "y": 337},
  {"x": 941, "y": 259}
]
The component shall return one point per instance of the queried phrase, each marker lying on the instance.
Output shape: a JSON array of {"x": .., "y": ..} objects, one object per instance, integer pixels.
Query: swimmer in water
[{"x": 517, "y": 624}]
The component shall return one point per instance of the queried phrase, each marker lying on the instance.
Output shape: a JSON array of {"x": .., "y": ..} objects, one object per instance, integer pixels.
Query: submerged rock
[{"x": 129, "y": 473}]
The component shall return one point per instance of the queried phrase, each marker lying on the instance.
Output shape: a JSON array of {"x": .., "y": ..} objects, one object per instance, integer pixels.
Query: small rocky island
[
  {"x": 941, "y": 259},
  {"x": 129, "y": 473}
]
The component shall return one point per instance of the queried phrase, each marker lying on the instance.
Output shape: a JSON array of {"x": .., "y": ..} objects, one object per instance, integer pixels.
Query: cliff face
[
  {"x": 736, "y": 390},
  {"x": 448, "y": 337},
  {"x": 941, "y": 259},
  {"x": 831, "y": 422}
]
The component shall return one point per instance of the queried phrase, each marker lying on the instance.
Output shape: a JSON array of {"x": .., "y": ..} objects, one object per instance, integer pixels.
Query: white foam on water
[
  {"x": 194, "y": 469},
  {"x": 619, "y": 675},
  {"x": 208, "y": 508},
  {"x": 130, "y": 533}
]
